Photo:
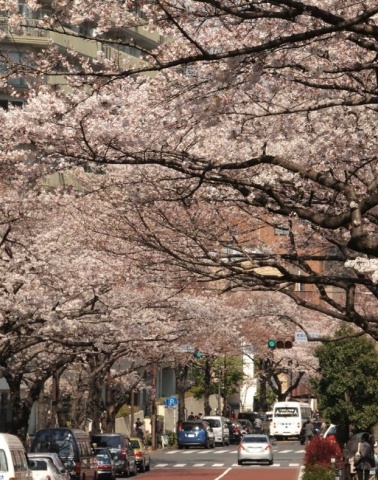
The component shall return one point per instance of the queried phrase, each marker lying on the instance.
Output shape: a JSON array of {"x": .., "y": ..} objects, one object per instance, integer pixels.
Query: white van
[
  {"x": 13, "y": 461},
  {"x": 220, "y": 428}
]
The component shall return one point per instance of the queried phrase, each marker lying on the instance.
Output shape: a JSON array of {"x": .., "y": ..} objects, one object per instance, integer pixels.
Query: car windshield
[
  {"x": 60, "y": 442},
  {"x": 107, "y": 441},
  {"x": 286, "y": 412},
  {"x": 101, "y": 451},
  {"x": 256, "y": 439},
  {"x": 188, "y": 427},
  {"x": 214, "y": 423},
  {"x": 135, "y": 444}
]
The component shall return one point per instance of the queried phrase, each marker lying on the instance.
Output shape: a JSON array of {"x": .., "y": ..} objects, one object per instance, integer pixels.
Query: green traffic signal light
[{"x": 271, "y": 343}]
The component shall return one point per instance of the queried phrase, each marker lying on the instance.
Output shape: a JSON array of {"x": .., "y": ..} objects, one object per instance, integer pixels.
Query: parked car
[
  {"x": 235, "y": 430},
  {"x": 44, "y": 468},
  {"x": 54, "y": 457},
  {"x": 330, "y": 431},
  {"x": 105, "y": 464},
  {"x": 317, "y": 430},
  {"x": 74, "y": 448},
  {"x": 195, "y": 433},
  {"x": 142, "y": 455},
  {"x": 13, "y": 461},
  {"x": 121, "y": 450},
  {"x": 220, "y": 428},
  {"x": 255, "y": 448}
]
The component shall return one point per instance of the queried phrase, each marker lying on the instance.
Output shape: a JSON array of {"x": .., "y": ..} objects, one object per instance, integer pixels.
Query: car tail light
[
  {"x": 237, "y": 431},
  {"x": 123, "y": 452},
  {"x": 138, "y": 454},
  {"x": 77, "y": 468},
  {"x": 47, "y": 477},
  {"x": 240, "y": 447},
  {"x": 268, "y": 447}
]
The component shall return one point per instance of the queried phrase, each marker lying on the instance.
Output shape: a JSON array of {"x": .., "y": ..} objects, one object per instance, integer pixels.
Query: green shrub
[{"x": 318, "y": 472}]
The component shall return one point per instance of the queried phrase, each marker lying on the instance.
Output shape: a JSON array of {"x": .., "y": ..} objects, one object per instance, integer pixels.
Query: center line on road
[
  {"x": 160, "y": 465},
  {"x": 218, "y": 464},
  {"x": 180, "y": 465},
  {"x": 199, "y": 464}
]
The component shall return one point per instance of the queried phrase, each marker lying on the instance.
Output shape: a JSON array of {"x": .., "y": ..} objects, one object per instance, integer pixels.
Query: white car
[
  {"x": 57, "y": 461},
  {"x": 44, "y": 469}
]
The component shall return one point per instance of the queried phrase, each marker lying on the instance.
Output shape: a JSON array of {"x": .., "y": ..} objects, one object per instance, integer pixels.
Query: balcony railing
[{"x": 25, "y": 30}]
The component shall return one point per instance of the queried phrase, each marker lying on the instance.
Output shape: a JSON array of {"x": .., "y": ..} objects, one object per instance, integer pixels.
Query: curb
[{"x": 301, "y": 472}]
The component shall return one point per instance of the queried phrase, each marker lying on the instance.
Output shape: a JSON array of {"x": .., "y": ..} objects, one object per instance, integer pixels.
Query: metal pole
[{"x": 132, "y": 413}]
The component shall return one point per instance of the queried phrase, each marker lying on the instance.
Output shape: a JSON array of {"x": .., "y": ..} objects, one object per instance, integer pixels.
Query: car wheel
[
  {"x": 127, "y": 471},
  {"x": 270, "y": 462},
  {"x": 148, "y": 467},
  {"x": 180, "y": 447},
  {"x": 135, "y": 471},
  {"x": 142, "y": 467},
  {"x": 240, "y": 462},
  {"x": 207, "y": 444}
]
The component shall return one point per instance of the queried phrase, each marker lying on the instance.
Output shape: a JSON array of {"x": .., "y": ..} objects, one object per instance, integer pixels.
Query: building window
[
  {"x": 4, "y": 104},
  {"x": 281, "y": 230}
]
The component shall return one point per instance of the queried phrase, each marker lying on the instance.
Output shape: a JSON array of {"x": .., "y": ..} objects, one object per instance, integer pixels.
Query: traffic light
[
  {"x": 197, "y": 353},
  {"x": 281, "y": 343}
]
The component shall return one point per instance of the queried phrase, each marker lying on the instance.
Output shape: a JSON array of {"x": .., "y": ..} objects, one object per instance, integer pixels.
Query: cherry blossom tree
[{"x": 263, "y": 113}]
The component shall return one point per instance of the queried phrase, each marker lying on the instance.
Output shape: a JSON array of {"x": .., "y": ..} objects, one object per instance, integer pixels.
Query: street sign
[
  {"x": 171, "y": 402},
  {"x": 300, "y": 337}
]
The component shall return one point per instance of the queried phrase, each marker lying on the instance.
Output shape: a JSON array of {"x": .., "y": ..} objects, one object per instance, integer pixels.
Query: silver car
[{"x": 255, "y": 448}]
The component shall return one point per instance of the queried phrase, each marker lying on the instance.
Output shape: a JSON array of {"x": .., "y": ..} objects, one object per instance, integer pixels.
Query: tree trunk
[
  {"x": 207, "y": 382},
  {"x": 181, "y": 372}
]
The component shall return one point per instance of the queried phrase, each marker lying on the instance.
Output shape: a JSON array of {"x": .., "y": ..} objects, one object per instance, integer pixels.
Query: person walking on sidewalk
[
  {"x": 309, "y": 431},
  {"x": 366, "y": 461}
]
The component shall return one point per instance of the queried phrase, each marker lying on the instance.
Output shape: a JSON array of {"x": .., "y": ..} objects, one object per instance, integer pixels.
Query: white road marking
[
  {"x": 179, "y": 465},
  {"x": 223, "y": 474},
  {"x": 199, "y": 464}
]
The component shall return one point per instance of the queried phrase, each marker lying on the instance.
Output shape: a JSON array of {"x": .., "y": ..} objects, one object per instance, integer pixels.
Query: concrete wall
[{"x": 122, "y": 425}]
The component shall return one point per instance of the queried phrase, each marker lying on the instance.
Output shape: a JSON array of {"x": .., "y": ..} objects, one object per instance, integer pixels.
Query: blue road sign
[{"x": 171, "y": 402}]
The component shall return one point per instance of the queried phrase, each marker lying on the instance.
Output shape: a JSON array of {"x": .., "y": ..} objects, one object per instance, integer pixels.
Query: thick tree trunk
[
  {"x": 207, "y": 384},
  {"x": 181, "y": 372}
]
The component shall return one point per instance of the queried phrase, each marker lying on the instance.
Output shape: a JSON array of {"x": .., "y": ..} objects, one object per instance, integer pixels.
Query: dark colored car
[
  {"x": 317, "y": 430},
  {"x": 121, "y": 450},
  {"x": 247, "y": 425},
  {"x": 105, "y": 464},
  {"x": 73, "y": 447},
  {"x": 235, "y": 428}
]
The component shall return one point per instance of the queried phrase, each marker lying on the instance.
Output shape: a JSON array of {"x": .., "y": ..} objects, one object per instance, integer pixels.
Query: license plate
[{"x": 191, "y": 435}]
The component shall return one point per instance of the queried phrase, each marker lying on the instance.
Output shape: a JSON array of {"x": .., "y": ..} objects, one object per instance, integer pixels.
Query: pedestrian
[
  {"x": 191, "y": 416},
  {"x": 308, "y": 431},
  {"x": 366, "y": 461}
]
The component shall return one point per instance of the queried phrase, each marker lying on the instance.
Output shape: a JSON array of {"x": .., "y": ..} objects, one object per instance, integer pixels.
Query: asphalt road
[{"x": 221, "y": 463}]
